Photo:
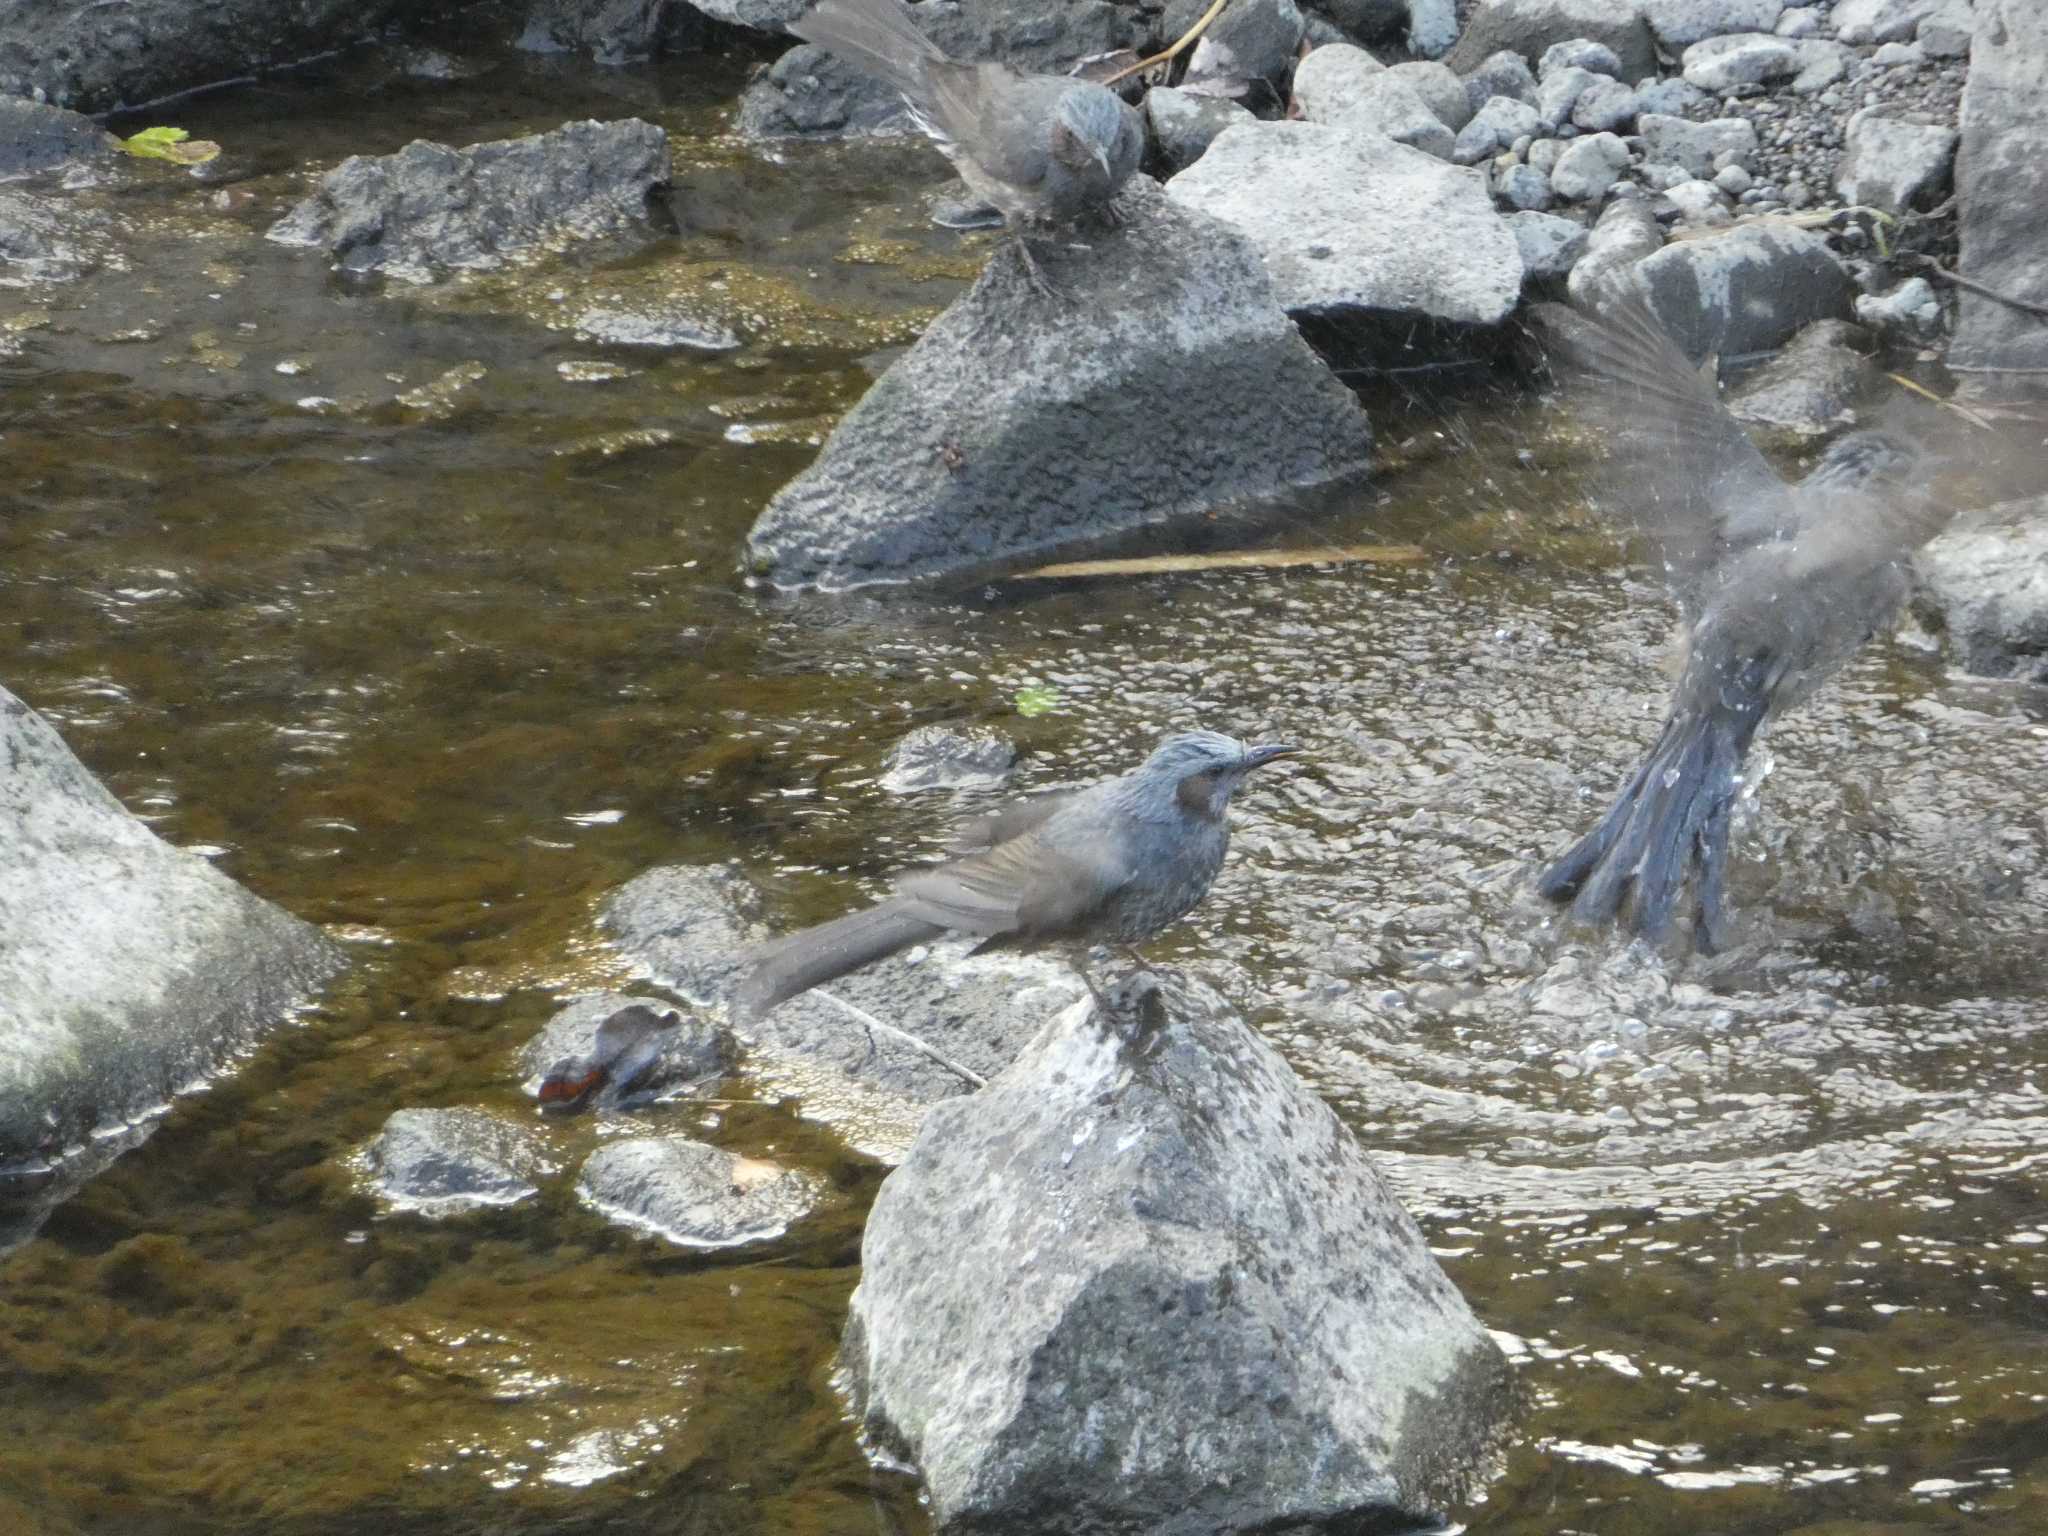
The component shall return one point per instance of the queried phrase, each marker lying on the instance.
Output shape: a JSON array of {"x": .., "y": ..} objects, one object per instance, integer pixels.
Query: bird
[
  {"x": 1778, "y": 584},
  {"x": 1113, "y": 863},
  {"x": 1044, "y": 150},
  {"x": 624, "y": 1050}
]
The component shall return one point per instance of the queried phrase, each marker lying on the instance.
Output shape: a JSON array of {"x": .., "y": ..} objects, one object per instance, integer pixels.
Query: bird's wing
[
  {"x": 1023, "y": 886},
  {"x": 1695, "y": 485},
  {"x": 1008, "y": 821},
  {"x": 998, "y": 118},
  {"x": 878, "y": 38}
]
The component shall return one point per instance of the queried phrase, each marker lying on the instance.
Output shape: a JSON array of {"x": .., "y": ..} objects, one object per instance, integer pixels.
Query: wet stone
[
  {"x": 1986, "y": 582},
  {"x": 948, "y": 757},
  {"x": 613, "y": 1051},
  {"x": 445, "y": 1162},
  {"x": 1813, "y": 385},
  {"x": 693, "y": 1195},
  {"x": 657, "y": 328}
]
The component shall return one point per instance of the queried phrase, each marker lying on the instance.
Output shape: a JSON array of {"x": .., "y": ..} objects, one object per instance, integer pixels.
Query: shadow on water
[{"x": 1767, "y": 1235}]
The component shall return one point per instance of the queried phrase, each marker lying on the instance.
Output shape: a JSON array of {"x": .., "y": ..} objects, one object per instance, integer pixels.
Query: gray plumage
[
  {"x": 1778, "y": 585},
  {"x": 1114, "y": 863},
  {"x": 1042, "y": 149}
]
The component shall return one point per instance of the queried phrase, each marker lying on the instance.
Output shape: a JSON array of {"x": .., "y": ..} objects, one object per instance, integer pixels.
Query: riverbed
[{"x": 421, "y": 616}]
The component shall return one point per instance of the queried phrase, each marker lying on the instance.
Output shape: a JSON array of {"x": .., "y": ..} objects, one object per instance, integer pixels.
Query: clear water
[{"x": 1769, "y": 1235}]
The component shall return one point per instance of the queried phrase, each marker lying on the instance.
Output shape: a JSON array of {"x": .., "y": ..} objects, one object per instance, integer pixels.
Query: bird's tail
[
  {"x": 878, "y": 38},
  {"x": 814, "y": 956},
  {"x": 1669, "y": 821}
]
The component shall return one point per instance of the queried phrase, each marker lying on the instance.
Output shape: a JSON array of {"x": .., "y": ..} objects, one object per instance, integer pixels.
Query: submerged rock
[
  {"x": 1350, "y": 220},
  {"x": 948, "y": 757},
  {"x": 1213, "y": 1317},
  {"x": 95, "y": 56},
  {"x": 1008, "y": 432},
  {"x": 1986, "y": 582},
  {"x": 693, "y": 1195},
  {"x": 430, "y": 208},
  {"x": 610, "y": 1051},
  {"x": 445, "y": 1162},
  {"x": 1813, "y": 385},
  {"x": 1347, "y": 87},
  {"x": 48, "y": 240},
  {"x": 909, "y": 1030},
  {"x": 129, "y": 969},
  {"x": 2001, "y": 187}
]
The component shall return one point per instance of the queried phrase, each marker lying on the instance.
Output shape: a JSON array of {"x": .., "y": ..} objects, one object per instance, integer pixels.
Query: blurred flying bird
[
  {"x": 1778, "y": 584},
  {"x": 1110, "y": 864}
]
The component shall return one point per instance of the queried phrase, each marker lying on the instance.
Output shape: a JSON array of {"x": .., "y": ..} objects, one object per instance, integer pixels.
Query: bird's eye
[{"x": 1198, "y": 790}]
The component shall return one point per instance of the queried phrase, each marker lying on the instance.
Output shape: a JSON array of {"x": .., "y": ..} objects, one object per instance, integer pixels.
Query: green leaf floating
[
  {"x": 1037, "y": 701},
  {"x": 172, "y": 144}
]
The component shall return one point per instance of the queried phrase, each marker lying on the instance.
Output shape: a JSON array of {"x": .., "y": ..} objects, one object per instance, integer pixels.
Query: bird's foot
[{"x": 1033, "y": 274}]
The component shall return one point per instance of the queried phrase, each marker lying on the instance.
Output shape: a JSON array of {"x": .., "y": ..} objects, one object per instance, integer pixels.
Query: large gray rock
[
  {"x": 1606, "y": 106},
  {"x": 1530, "y": 27},
  {"x": 1505, "y": 73},
  {"x": 1185, "y": 123},
  {"x": 35, "y": 137},
  {"x": 1006, "y": 434},
  {"x": 693, "y": 1195},
  {"x": 1499, "y": 121},
  {"x": 1250, "y": 40},
  {"x": 1892, "y": 164},
  {"x": 1347, "y": 87},
  {"x": 2001, "y": 187},
  {"x": 1695, "y": 146},
  {"x": 1745, "y": 292},
  {"x": 1432, "y": 27},
  {"x": 691, "y": 928},
  {"x": 1442, "y": 91},
  {"x": 94, "y": 56},
  {"x": 1588, "y": 167},
  {"x": 430, "y": 209},
  {"x": 1213, "y": 1316},
  {"x": 48, "y": 239},
  {"x": 129, "y": 969},
  {"x": 1756, "y": 58},
  {"x": 809, "y": 92},
  {"x": 1551, "y": 245},
  {"x": 449, "y": 1162},
  {"x": 1352, "y": 221},
  {"x": 621, "y": 31},
  {"x": 1886, "y": 21},
  {"x": 1811, "y": 387},
  {"x": 1678, "y": 24},
  {"x": 1986, "y": 582},
  {"x": 1625, "y": 233}
]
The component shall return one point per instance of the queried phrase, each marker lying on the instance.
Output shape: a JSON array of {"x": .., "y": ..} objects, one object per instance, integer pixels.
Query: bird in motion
[
  {"x": 1043, "y": 150},
  {"x": 1778, "y": 583},
  {"x": 1110, "y": 864}
]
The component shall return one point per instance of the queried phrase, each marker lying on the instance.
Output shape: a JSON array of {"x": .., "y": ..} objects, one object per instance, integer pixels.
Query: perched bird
[
  {"x": 1110, "y": 864},
  {"x": 624, "y": 1052},
  {"x": 1778, "y": 585},
  {"x": 1044, "y": 150}
]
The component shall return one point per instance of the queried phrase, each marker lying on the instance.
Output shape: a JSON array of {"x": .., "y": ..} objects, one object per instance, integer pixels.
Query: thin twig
[
  {"x": 873, "y": 1023},
  {"x": 1174, "y": 52},
  {"x": 2026, "y": 306},
  {"x": 1927, "y": 394}
]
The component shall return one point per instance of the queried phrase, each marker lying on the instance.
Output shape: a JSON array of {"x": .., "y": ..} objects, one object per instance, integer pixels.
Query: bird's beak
[
  {"x": 1258, "y": 757},
  {"x": 1102, "y": 158}
]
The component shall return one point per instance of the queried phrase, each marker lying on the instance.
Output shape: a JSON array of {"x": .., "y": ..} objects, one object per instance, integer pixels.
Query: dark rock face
[
  {"x": 808, "y": 91},
  {"x": 34, "y": 137},
  {"x": 129, "y": 969},
  {"x": 95, "y": 56},
  {"x": 1743, "y": 293},
  {"x": 1986, "y": 582},
  {"x": 693, "y": 1195},
  {"x": 1813, "y": 385},
  {"x": 691, "y": 929},
  {"x": 430, "y": 208},
  {"x": 1210, "y": 1315},
  {"x": 615, "y": 31},
  {"x": 444, "y": 1162},
  {"x": 1006, "y": 434},
  {"x": 2002, "y": 186},
  {"x": 1531, "y": 27}
]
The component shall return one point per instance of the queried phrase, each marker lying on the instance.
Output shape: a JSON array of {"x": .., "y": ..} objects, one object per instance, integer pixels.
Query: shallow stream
[{"x": 431, "y": 635}]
